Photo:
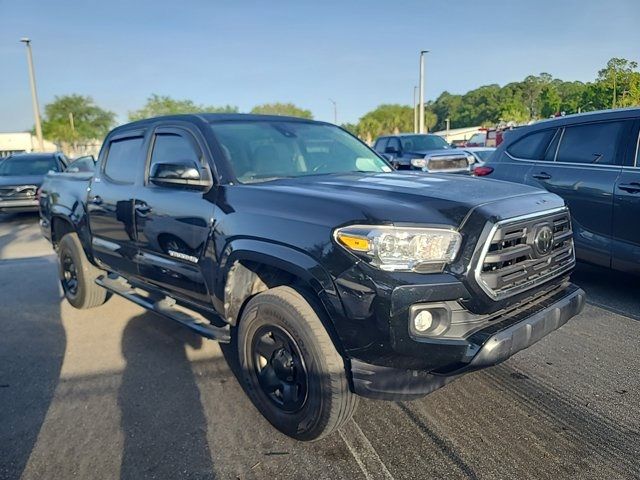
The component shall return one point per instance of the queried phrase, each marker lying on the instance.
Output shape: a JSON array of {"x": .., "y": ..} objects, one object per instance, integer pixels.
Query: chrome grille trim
[{"x": 509, "y": 263}]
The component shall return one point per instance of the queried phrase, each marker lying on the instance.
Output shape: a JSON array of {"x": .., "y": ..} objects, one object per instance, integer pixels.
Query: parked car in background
[
  {"x": 426, "y": 152},
  {"x": 480, "y": 154},
  {"x": 20, "y": 177},
  {"x": 334, "y": 275},
  {"x": 592, "y": 160}
]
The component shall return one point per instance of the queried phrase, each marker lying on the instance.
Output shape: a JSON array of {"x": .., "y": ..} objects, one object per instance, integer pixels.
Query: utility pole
[
  {"x": 422, "y": 53},
  {"x": 448, "y": 123},
  {"x": 73, "y": 132},
  {"x": 335, "y": 111},
  {"x": 415, "y": 109},
  {"x": 34, "y": 93}
]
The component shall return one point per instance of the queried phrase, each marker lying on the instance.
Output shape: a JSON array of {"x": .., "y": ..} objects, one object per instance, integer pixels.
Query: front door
[
  {"x": 587, "y": 164},
  {"x": 110, "y": 202},
  {"x": 174, "y": 223}
]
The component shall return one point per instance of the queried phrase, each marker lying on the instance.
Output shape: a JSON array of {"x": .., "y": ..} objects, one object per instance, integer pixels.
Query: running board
[{"x": 165, "y": 307}]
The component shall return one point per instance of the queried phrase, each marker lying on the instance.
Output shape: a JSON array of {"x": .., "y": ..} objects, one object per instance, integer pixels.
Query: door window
[
  {"x": 594, "y": 143},
  {"x": 532, "y": 146},
  {"x": 122, "y": 158},
  {"x": 173, "y": 148}
]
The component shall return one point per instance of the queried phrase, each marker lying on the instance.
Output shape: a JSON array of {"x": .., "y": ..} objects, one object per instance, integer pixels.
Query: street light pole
[
  {"x": 34, "y": 93},
  {"x": 335, "y": 111},
  {"x": 421, "y": 119},
  {"x": 415, "y": 109}
]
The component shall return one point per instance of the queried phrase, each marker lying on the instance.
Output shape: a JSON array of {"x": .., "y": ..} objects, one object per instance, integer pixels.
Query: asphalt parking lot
[{"x": 118, "y": 392}]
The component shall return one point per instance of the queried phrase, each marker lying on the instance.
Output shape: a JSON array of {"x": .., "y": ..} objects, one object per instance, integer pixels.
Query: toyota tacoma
[{"x": 335, "y": 276}]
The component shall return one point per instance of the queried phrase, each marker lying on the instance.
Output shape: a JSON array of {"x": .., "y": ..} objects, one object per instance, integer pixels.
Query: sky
[{"x": 358, "y": 53}]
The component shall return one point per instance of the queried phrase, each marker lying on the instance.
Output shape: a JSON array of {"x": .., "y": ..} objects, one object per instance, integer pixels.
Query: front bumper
[
  {"x": 22, "y": 205},
  {"x": 493, "y": 344}
]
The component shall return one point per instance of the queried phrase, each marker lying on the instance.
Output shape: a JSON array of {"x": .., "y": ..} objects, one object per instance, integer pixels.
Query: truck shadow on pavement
[
  {"x": 32, "y": 347},
  {"x": 163, "y": 422}
]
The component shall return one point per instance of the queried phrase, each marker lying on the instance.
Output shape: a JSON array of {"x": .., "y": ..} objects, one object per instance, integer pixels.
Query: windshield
[
  {"x": 423, "y": 142},
  {"x": 261, "y": 151},
  {"x": 25, "y": 166}
]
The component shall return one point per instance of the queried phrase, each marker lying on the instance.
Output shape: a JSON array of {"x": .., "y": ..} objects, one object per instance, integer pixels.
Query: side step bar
[{"x": 165, "y": 307}]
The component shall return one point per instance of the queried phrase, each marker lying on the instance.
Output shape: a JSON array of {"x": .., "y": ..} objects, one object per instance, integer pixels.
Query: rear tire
[
  {"x": 78, "y": 275},
  {"x": 302, "y": 387}
]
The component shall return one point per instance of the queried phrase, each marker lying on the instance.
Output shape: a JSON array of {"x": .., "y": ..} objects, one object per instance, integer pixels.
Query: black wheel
[
  {"x": 292, "y": 371},
  {"x": 78, "y": 275}
]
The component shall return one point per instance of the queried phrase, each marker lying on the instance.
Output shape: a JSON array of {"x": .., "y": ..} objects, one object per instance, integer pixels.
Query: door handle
[
  {"x": 96, "y": 200},
  {"x": 142, "y": 209},
  {"x": 542, "y": 176},
  {"x": 633, "y": 187}
]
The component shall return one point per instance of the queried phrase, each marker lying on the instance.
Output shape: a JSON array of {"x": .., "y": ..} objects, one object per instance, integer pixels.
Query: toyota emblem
[{"x": 543, "y": 242}]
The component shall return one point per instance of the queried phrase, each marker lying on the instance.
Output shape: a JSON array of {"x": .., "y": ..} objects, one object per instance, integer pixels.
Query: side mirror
[
  {"x": 180, "y": 174},
  {"x": 392, "y": 150}
]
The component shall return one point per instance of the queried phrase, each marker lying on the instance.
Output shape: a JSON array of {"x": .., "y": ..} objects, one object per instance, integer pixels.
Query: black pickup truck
[{"x": 334, "y": 275}]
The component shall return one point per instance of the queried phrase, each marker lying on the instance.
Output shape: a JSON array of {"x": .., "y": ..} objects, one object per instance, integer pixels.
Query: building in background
[
  {"x": 455, "y": 135},
  {"x": 22, "y": 142}
]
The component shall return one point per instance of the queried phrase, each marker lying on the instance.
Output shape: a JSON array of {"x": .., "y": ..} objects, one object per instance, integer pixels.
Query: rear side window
[
  {"x": 381, "y": 144},
  {"x": 532, "y": 146},
  {"x": 593, "y": 143},
  {"x": 173, "y": 148},
  {"x": 123, "y": 158}
]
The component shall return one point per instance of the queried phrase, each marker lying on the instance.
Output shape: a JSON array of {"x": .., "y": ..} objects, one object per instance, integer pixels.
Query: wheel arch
[{"x": 251, "y": 267}]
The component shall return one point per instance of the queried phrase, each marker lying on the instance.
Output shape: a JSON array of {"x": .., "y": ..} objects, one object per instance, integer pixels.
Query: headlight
[
  {"x": 401, "y": 248},
  {"x": 471, "y": 159},
  {"x": 419, "y": 162}
]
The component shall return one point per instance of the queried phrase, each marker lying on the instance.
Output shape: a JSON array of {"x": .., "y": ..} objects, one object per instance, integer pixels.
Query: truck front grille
[
  {"x": 524, "y": 252},
  {"x": 19, "y": 192}
]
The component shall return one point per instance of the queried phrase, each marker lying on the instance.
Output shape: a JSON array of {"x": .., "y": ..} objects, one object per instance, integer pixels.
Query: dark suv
[{"x": 592, "y": 160}]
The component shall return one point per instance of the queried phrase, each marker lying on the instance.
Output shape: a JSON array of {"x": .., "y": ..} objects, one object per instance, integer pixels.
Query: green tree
[
  {"x": 386, "y": 119},
  {"x": 549, "y": 101},
  {"x": 572, "y": 95},
  {"x": 447, "y": 105},
  {"x": 89, "y": 121},
  {"x": 618, "y": 79},
  {"x": 286, "y": 109},
  {"x": 351, "y": 128},
  {"x": 158, "y": 105}
]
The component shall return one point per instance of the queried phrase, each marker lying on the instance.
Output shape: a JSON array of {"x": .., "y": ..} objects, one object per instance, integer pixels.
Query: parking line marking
[{"x": 363, "y": 452}]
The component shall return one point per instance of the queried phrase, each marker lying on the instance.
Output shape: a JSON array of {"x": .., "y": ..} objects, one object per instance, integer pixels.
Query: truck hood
[
  {"x": 407, "y": 197},
  {"x": 11, "y": 180}
]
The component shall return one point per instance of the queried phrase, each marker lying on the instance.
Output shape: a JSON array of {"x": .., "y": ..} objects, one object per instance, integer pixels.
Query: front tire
[
  {"x": 78, "y": 275},
  {"x": 292, "y": 371}
]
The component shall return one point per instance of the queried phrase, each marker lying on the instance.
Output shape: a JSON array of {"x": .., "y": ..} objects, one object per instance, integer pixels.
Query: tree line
[{"x": 73, "y": 119}]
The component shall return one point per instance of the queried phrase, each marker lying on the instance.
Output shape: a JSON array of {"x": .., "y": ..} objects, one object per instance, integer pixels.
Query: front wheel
[
  {"x": 292, "y": 371},
  {"x": 78, "y": 275}
]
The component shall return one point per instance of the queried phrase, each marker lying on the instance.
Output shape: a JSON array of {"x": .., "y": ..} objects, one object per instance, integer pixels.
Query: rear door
[
  {"x": 516, "y": 163},
  {"x": 626, "y": 210},
  {"x": 587, "y": 160},
  {"x": 174, "y": 223},
  {"x": 110, "y": 202}
]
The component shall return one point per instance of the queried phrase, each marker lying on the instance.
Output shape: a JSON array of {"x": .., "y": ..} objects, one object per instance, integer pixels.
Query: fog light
[{"x": 423, "y": 321}]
